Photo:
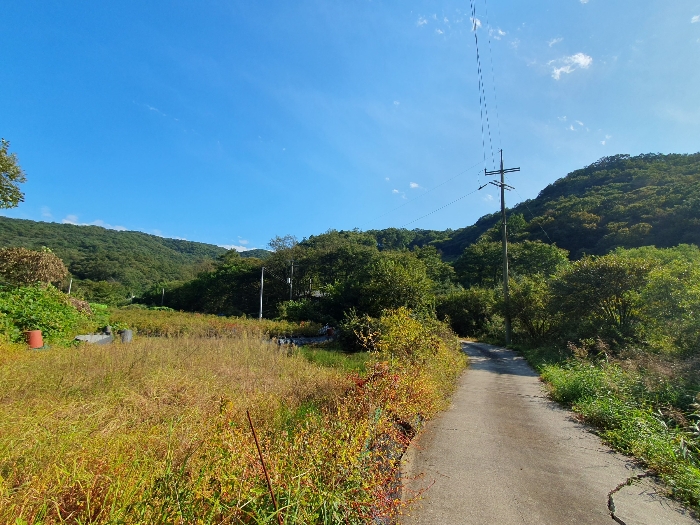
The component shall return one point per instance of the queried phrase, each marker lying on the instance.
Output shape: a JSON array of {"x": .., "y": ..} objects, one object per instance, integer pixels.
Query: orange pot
[{"x": 34, "y": 338}]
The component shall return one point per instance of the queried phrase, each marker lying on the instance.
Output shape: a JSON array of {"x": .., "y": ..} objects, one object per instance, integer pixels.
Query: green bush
[{"x": 37, "y": 308}]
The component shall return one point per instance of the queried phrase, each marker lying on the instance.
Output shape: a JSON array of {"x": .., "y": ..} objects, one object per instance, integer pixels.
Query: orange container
[{"x": 34, "y": 338}]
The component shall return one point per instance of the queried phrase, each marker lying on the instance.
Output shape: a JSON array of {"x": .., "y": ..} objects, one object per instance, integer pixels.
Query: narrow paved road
[{"x": 504, "y": 454}]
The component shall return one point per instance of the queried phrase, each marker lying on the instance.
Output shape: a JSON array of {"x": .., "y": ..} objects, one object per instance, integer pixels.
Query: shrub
[
  {"x": 21, "y": 266},
  {"x": 38, "y": 308}
]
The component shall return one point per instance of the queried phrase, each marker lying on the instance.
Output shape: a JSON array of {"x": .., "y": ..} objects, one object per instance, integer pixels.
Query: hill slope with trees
[
  {"x": 133, "y": 259},
  {"x": 618, "y": 201}
]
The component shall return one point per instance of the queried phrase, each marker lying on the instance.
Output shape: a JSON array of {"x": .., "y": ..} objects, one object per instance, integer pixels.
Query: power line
[
  {"x": 423, "y": 194},
  {"x": 482, "y": 90},
  {"x": 493, "y": 77},
  {"x": 445, "y": 206}
]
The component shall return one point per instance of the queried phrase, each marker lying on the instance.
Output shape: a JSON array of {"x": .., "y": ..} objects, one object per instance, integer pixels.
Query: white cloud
[
  {"x": 158, "y": 233},
  {"x": 243, "y": 241},
  {"x": 488, "y": 197},
  {"x": 515, "y": 43},
  {"x": 572, "y": 128},
  {"x": 562, "y": 119},
  {"x": 421, "y": 21},
  {"x": 394, "y": 191},
  {"x": 607, "y": 138},
  {"x": 446, "y": 20},
  {"x": 439, "y": 31},
  {"x": 46, "y": 212},
  {"x": 584, "y": 1},
  {"x": 497, "y": 34},
  {"x": 554, "y": 41},
  {"x": 73, "y": 219},
  {"x": 579, "y": 123},
  {"x": 476, "y": 23},
  {"x": 235, "y": 247},
  {"x": 386, "y": 179},
  {"x": 414, "y": 185},
  {"x": 396, "y": 102},
  {"x": 569, "y": 64},
  {"x": 695, "y": 19}
]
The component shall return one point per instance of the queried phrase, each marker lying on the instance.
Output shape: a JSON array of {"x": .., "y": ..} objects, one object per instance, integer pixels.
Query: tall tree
[{"x": 11, "y": 175}]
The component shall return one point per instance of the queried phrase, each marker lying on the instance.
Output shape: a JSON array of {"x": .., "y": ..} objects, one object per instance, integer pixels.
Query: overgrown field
[
  {"x": 156, "y": 431},
  {"x": 644, "y": 404},
  {"x": 169, "y": 323}
]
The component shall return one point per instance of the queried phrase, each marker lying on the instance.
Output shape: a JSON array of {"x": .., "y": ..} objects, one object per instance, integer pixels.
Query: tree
[
  {"x": 601, "y": 295},
  {"x": 21, "y": 266},
  {"x": 11, "y": 175}
]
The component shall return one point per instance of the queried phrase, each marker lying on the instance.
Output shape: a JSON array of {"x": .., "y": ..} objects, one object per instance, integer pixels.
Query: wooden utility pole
[
  {"x": 503, "y": 186},
  {"x": 262, "y": 283}
]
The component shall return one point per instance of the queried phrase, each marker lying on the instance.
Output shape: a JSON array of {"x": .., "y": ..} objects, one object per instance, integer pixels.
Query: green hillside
[
  {"x": 618, "y": 201},
  {"x": 135, "y": 259}
]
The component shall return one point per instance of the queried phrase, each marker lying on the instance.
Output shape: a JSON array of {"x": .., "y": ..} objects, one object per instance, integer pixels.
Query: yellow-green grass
[
  {"x": 180, "y": 324},
  {"x": 155, "y": 432}
]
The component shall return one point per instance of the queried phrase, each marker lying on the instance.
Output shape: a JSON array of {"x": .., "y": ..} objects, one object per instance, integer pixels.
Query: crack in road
[{"x": 626, "y": 483}]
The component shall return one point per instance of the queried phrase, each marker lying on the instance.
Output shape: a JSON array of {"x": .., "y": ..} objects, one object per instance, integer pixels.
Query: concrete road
[{"x": 504, "y": 454}]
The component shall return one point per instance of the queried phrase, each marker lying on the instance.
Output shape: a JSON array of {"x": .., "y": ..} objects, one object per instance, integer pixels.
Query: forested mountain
[
  {"x": 618, "y": 201},
  {"x": 134, "y": 259}
]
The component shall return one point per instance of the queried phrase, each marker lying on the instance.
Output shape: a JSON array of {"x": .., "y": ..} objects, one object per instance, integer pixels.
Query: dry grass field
[{"x": 156, "y": 431}]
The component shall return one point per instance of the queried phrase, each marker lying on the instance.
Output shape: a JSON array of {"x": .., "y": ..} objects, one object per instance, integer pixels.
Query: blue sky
[{"x": 232, "y": 122}]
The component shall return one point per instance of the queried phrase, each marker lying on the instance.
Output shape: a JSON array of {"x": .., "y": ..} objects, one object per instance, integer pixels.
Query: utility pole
[
  {"x": 291, "y": 277},
  {"x": 262, "y": 282},
  {"x": 503, "y": 186}
]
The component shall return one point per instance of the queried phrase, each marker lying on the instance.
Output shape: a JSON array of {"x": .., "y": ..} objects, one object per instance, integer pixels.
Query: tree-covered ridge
[
  {"x": 134, "y": 259},
  {"x": 618, "y": 201}
]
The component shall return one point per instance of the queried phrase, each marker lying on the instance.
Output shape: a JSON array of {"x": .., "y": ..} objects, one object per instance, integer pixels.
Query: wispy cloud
[
  {"x": 607, "y": 138},
  {"x": 476, "y": 23},
  {"x": 497, "y": 34},
  {"x": 46, "y": 212},
  {"x": 243, "y": 241},
  {"x": 396, "y": 102},
  {"x": 584, "y": 1},
  {"x": 395, "y": 191},
  {"x": 414, "y": 185},
  {"x": 569, "y": 64},
  {"x": 515, "y": 44},
  {"x": 562, "y": 119},
  {"x": 695, "y": 19},
  {"x": 73, "y": 219},
  {"x": 554, "y": 41},
  {"x": 387, "y": 179},
  {"x": 421, "y": 21}
]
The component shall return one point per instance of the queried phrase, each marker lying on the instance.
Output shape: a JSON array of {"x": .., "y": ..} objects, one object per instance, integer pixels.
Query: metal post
[
  {"x": 291, "y": 278},
  {"x": 262, "y": 282}
]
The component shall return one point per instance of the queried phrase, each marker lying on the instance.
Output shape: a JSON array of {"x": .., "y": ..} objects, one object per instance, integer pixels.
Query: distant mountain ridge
[{"x": 135, "y": 259}]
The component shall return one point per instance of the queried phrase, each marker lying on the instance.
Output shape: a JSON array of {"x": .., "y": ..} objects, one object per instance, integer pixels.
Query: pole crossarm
[
  {"x": 498, "y": 172},
  {"x": 501, "y": 185}
]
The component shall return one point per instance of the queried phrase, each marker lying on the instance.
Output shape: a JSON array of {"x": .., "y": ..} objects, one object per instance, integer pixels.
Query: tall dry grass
[{"x": 156, "y": 432}]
